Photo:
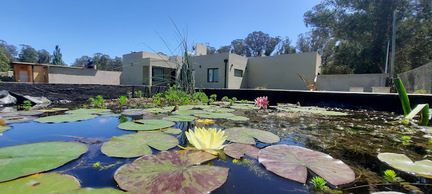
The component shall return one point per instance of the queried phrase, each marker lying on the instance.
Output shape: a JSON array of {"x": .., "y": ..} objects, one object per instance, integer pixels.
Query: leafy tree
[
  {"x": 284, "y": 47},
  {"x": 80, "y": 62},
  {"x": 117, "y": 64},
  {"x": 4, "y": 61},
  {"x": 28, "y": 54},
  {"x": 57, "y": 57},
  {"x": 256, "y": 42},
  {"x": 224, "y": 49},
  {"x": 211, "y": 50},
  {"x": 239, "y": 47},
  {"x": 10, "y": 50},
  {"x": 270, "y": 45},
  {"x": 43, "y": 56}
]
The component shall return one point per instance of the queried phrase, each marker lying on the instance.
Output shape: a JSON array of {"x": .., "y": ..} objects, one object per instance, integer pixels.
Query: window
[
  {"x": 238, "y": 73},
  {"x": 212, "y": 75},
  {"x": 157, "y": 74}
]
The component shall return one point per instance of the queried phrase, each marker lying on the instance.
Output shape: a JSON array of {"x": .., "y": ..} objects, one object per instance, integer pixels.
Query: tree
[
  {"x": 211, "y": 50},
  {"x": 28, "y": 54},
  {"x": 256, "y": 42},
  {"x": 270, "y": 45},
  {"x": 284, "y": 47},
  {"x": 9, "y": 50},
  {"x": 43, "y": 56},
  {"x": 4, "y": 61},
  {"x": 80, "y": 62},
  {"x": 239, "y": 47},
  {"x": 117, "y": 64},
  {"x": 224, "y": 49},
  {"x": 57, "y": 57}
]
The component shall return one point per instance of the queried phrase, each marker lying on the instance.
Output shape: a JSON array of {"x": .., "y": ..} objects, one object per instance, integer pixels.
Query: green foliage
[
  {"x": 57, "y": 57},
  {"x": 420, "y": 92},
  {"x": 225, "y": 99},
  {"x": 319, "y": 183},
  {"x": 27, "y": 104},
  {"x": 98, "y": 102},
  {"x": 390, "y": 175},
  {"x": 96, "y": 165},
  {"x": 200, "y": 96},
  {"x": 4, "y": 61},
  {"x": 406, "y": 140},
  {"x": 122, "y": 100},
  {"x": 409, "y": 114},
  {"x": 43, "y": 56},
  {"x": 28, "y": 54},
  {"x": 172, "y": 97},
  {"x": 213, "y": 97},
  {"x": 138, "y": 94},
  {"x": 403, "y": 96}
]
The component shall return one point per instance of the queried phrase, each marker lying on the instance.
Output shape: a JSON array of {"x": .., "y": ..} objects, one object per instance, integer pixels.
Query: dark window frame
[{"x": 214, "y": 78}]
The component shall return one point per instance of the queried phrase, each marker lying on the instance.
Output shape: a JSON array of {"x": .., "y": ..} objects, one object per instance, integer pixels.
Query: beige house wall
[
  {"x": 70, "y": 75},
  {"x": 237, "y": 62},
  {"x": 201, "y": 64},
  {"x": 343, "y": 82},
  {"x": 280, "y": 72}
]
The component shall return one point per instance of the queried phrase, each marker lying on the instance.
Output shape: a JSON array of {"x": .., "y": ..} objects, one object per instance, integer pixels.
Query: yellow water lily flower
[
  {"x": 205, "y": 121},
  {"x": 208, "y": 140}
]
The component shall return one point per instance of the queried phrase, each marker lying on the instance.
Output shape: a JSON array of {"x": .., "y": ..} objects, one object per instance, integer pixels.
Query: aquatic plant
[
  {"x": 390, "y": 175},
  {"x": 423, "y": 109},
  {"x": 27, "y": 104},
  {"x": 401, "y": 162},
  {"x": 122, "y": 100},
  {"x": 310, "y": 84},
  {"x": 262, "y": 102},
  {"x": 225, "y": 99},
  {"x": 209, "y": 140},
  {"x": 406, "y": 140},
  {"x": 318, "y": 183},
  {"x": 96, "y": 165},
  {"x": 213, "y": 97},
  {"x": 138, "y": 94}
]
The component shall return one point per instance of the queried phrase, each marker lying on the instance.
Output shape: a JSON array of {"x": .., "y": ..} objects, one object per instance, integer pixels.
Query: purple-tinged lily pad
[
  {"x": 401, "y": 162},
  {"x": 246, "y": 135},
  {"x": 137, "y": 144},
  {"x": 238, "y": 150},
  {"x": 145, "y": 125},
  {"x": 171, "y": 172},
  {"x": 291, "y": 162}
]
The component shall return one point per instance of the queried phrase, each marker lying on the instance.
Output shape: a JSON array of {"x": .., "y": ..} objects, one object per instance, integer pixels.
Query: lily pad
[
  {"x": 245, "y": 106},
  {"x": 25, "y": 159},
  {"x": 137, "y": 144},
  {"x": 401, "y": 162},
  {"x": 54, "y": 110},
  {"x": 171, "y": 172},
  {"x": 4, "y": 128},
  {"x": 173, "y": 131},
  {"x": 291, "y": 162},
  {"x": 214, "y": 115},
  {"x": 30, "y": 113},
  {"x": 41, "y": 183},
  {"x": 134, "y": 112},
  {"x": 246, "y": 135},
  {"x": 159, "y": 110},
  {"x": 180, "y": 118},
  {"x": 238, "y": 150},
  {"x": 106, "y": 190},
  {"x": 145, "y": 125},
  {"x": 88, "y": 111},
  {"x": 313, "y": 110},
  {"x": 18, "y": 119},
  {"x": 65, "y": 118}
]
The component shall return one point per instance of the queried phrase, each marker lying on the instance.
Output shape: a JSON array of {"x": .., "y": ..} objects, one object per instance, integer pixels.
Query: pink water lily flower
[{"x": 262, "y": 101}]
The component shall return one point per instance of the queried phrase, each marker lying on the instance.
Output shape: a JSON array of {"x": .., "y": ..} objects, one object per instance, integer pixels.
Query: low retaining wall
[
  {"x": 418, "y": 79},
  {"x": 75, "y": 92},
  {"x": 342, "y": 82}
]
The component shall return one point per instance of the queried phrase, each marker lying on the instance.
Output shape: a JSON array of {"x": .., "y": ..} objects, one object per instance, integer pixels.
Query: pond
[{"x": 355, "y": 137}]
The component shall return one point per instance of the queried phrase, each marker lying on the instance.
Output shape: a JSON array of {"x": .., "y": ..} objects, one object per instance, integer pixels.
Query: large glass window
[
  {"x": 238, "y": 73},
  {"x": 157, "y": 74},
  {"x": 212, "y": 75}
]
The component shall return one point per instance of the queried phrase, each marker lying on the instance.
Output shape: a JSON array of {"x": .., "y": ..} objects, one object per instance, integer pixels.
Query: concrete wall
[
  {"x": 200, "y": 49},
  {"x": 70, "y": 75},
  {"x": 280, "y": 72},
  {"x": 342, "y": 82},
  {"x": 240, "y": 63},
  {"x": 419, "y": 78},
  {"x": 201, "y": 64}
]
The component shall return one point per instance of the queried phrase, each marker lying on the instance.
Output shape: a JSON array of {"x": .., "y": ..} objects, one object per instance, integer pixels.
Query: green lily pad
[
  {"x": 160, "y": 110},
  {"x": 246, "y": 135},
  {"x": 109, "y": 114},
  {"x": 4, "y": 128},
  {"x": 189, "y": 112},
  {"x": 171, "y": 172},
  {"x": 30, "y": 113},
  {"x": 18, "y": 119},
  {"x": 401, "y": 162},
  {"x": 65, "y": 118},
  {"x": 245, "y": 106},
  {"x": 291, "y": 162},
  {"x": 173, "y": 131},
  {"x": 134, "y": 112},
  {"x": 41, "y": 183},
  {"x": 106, "y": 190},
  {"x": 214, "y": 115},
  {"x": 25, "y": 159},
  {"x": 145, "y": 125},
  {"x": 54, "y": 110},
  {"x": 238, "y": 150},
  {"x": 89, "y": 111},
  {"x": 239, "y": 118},
  {"x": 313, "y": 110},
  {"x": 192, "y": 106},
  {"x": 137, "y": 144},
  {"x": 180, "y": 118}
]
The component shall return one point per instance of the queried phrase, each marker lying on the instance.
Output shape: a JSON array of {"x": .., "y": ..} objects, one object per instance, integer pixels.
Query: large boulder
[{"x": 6, "y": 98}]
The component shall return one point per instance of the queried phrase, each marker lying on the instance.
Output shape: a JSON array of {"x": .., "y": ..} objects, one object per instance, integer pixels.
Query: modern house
[
  {"x": 223, "y": 70},
  {"x": 45, "y": 73}
]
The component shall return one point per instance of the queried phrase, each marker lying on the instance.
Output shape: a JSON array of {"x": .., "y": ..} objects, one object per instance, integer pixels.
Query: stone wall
[
  {"x": 419, "y": 78},
  {"x": 342, "y": 82},
  {"x": 75, "y": 92}
]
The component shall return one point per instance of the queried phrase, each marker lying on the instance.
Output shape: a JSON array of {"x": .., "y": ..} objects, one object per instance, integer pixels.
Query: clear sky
[{"x": 117, "y": 27}]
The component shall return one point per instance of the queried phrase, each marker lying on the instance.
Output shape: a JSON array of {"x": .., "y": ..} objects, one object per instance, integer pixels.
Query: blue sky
[{"x": 85, "y": 27}]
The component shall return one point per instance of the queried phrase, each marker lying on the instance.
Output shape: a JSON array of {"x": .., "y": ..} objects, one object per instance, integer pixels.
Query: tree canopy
[{"x": 57, "y": 57}]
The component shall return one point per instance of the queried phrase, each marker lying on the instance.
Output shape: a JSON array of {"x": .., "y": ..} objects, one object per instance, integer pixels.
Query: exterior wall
[
  {"x": 200, "y": 50},
  {"x": 201, "y": 64},
  {"x": 342, "y": 82},
  {"x": 280, "y": 72},
  {"x": 40, "y": 74},
  {"x": 70, "y": 75},
  {"x": 240, "y": 63},
  {"x": 18, "y": 68},
  {"x": 419, "y": 78}
]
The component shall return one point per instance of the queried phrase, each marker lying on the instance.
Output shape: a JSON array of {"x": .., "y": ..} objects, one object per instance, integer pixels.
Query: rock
[{"x": 6, "y": 98}]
